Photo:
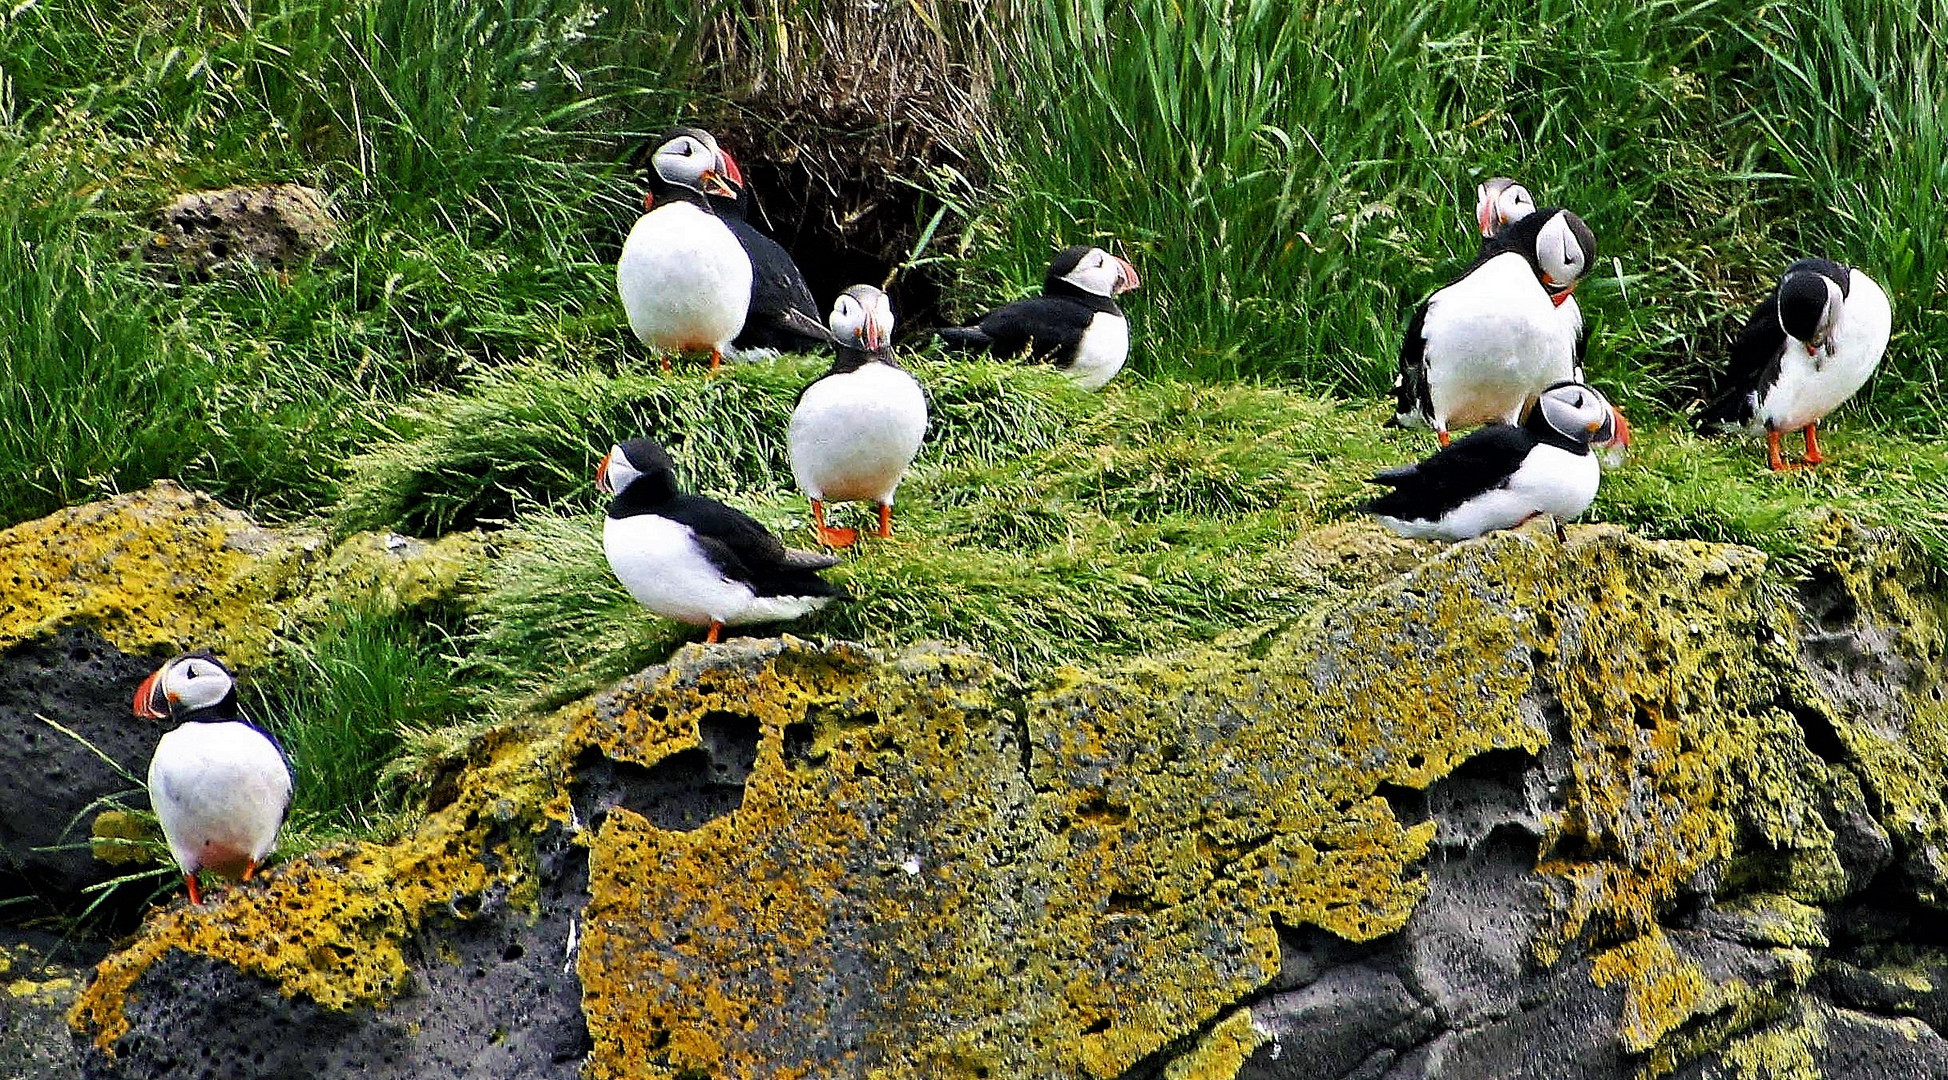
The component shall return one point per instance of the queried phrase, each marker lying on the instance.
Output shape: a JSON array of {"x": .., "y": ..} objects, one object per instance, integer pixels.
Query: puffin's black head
[
  {"x": 688, "y": 165},
  {"x": 1557, "y": 243},
  {"x": 1499, "y": 203},
  {"x": 641, "y": 464},
  {"x": 862, "y": 317},
  {"x": 1809, "y": 305},
  {"x": 190, "y": 684},
  {"x": 1092, "y": 270}
]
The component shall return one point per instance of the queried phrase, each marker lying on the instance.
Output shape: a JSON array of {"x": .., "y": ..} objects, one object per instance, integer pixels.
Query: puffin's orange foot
[
  {"x": 249, "y": 870},
  {"x": 1813, "y": 456},
  {"x": 885, "y": 520},
  {"x": 663, "y": 360},
  {"x": 1442, "y": 435},
  {"x": 837, "y": 538},
  {"x": 1773, "y": 457},
  {"x": 716, "y": 629},
  {"x": 716, "y": 360},
  {"x": 195, "y": 890}
]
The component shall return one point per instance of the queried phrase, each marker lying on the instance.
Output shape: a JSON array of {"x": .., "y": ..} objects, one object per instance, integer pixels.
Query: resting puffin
[
  {"x": 685, "y": 280},
  {"x": 1075, "y": 324},
  {"x": 220, "y": 785},
  {"x": 858, "y": 427},
  {"x": 1502, "y": 475},
  {"x": 1812, "y": 342},
  {"x": 1481, "y": 348},
  {"x": 693, "y": 559},
  {"x": 782, "y": 316}
]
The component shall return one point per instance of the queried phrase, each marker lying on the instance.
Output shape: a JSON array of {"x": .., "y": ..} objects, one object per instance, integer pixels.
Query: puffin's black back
[
  {"x": 1479, "y": 461},
  {"x": 783, "y": 314}
]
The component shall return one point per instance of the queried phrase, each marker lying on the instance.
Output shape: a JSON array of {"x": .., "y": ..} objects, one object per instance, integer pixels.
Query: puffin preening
[
  {"x": 857, "y": 428},
  {"x": 1812, "y": 342},
  {"x": 220, "y": 785},
  {"x": 1502, "y": 475},
  {"x": 1481, "y": 348},
  {"x": 1499, "y": 203},
  {"x": 1075, "y": 323},
  {"x": 696, "y": 278},
  {"x": 693, "y": 559}
]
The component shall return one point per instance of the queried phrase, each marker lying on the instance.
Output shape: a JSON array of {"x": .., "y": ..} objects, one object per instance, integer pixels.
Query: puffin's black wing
[
  {"x": 745, "y": 551},
  {"x": 1754, "y": 365},
  {"x": 1480, "y": 461},
  {"x": 783, "y": 314},
  {"x": 1045, "y": 327},
  {"x": 1410, "y": 391}
]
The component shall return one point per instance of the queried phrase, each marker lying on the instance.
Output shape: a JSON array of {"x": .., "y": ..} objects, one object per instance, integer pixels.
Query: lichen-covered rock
[
  {"x": 273, "y": 226},
  {"x": 1602, "y": 809},
  {"x": 40, "y": 976},
  {"x": 95, "y": 595}
]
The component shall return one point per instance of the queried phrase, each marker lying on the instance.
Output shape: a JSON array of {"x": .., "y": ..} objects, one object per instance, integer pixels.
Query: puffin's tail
[
  {"x": 1728, "y": 411},
  {"x": 964, "y": 337}
]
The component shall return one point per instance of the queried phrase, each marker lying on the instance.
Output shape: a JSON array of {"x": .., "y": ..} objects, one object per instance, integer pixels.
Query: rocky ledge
[{"x": 1614, "y": 808}]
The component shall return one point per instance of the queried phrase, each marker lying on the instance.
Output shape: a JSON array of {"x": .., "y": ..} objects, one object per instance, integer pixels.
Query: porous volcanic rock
[
  {"x": 203, "y": 234},
  {"x": 1528, "y": 810}
]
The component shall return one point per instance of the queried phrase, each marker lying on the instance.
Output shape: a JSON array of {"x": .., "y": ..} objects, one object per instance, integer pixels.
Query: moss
[
  {"x": 125, "y": 838},
  {"x": 1221, "y": 1052},
  {"x": 385, "y": 572},
  {"x": 1783, "y": 1051},
  {"x": 158, "y": 570}
]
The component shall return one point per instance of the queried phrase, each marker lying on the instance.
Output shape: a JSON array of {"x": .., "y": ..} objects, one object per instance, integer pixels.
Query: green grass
[{"x": 1290, "y": 178}]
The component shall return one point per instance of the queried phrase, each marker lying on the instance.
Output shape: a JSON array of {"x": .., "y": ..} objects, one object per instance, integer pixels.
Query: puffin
[
  {"x": 858, "y": 426},
  {"x": 1482, "y": 347},
  {"x": 693, "y": 559},
  {"x": 220, "y": 784},
  {"x": 1499, "y": 203},
  {"x": 1075, "y": 323},
  {"x": 1812, "y": 342},
  {"x": 782, "y": 316},
  {"x": 685, "y": 279},
  {"x": 1501, "y": 475}
]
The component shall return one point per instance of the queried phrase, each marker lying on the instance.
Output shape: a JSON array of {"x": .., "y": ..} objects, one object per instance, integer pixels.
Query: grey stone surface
[
  {"x": 54, "y": 781},
  {"x": 208, "y": 233},
  {"x": 40, "y": 974}
]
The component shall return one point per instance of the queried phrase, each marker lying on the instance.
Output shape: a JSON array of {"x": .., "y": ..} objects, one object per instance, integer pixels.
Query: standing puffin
[
  {"x": 1812, "y": 342},
  {"x": 1481, "y": 348},
  {"x": 1501, "y": 475},
  {"x": 685, "y": 280},
  {"x": 782, "y": 316},
  {"x": 220, "y": 785},
  {"x": 858, "y": 427},
  {"x": 693, "y": 559},
  {"x": 1075, "y": 324}
]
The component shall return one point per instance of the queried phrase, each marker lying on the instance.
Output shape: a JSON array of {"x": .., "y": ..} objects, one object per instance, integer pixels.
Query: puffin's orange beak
[
  {"x": 1128, "y": 279},
  {"x": 602, "y": 483},
  {"x": 649, "y": 201},
  {"x": 874, "y": 337},
  {"x": 149, "y": 703},
  {"x": 1484, "y": 213},
  {"x": 1558, "y": 298},
  {"x": 713, "y": 184},
  {"x": 731, "y": 172}
]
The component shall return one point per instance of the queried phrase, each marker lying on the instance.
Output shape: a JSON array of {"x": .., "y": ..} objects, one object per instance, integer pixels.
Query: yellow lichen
[
  {"x": 1221, "y": 1052},
  {"x": 1662, "y": 990}
]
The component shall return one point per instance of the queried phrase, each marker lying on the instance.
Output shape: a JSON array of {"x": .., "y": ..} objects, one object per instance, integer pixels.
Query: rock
[
  {"x": 1527, "y": 810},
  {"x": 97, "y": 595},
  {"x": 40, "y": 976},
  {"x": 209, "y": 233}
]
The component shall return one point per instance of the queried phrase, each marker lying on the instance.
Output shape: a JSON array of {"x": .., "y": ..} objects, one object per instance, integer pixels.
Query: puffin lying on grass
[
  {"x": 1812, "y": 342},
  {"x": 693, "y": 559},
  {"x": 1485, "y": 345},
  {"x": 1502, "y": 475},
  {"x": 220, "y": 785},
  {"x": 857, "y": 428},
  {"x": 1074, "y": 324}
]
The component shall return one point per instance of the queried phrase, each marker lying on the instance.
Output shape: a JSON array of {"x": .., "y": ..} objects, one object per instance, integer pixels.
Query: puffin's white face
[
  {"x": 695, "y": 162},
  {"x": 183, "y": 684},
  {"x": 863, "y": 317},
  {"x": 1500, "y": 203},
  {"x": 615, "y": 473},
  {"x": 1559, "y": 253},
  {"x": 1103, "y": 274},
  {"x": 1578, "y": 412}
]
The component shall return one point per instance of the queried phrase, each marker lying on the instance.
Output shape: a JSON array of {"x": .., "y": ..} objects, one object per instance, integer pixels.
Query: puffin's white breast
[
  {"x": 1105, "y": 345},
  {"x": 1493, "y": 341},
  {"x": 853, "y": 435},
  {"x": 685, "y": 281},
  {"x": 1809, "y": 387},
  {"x": 659, "y": 562},
  {"x": 220, "y": 791}
]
